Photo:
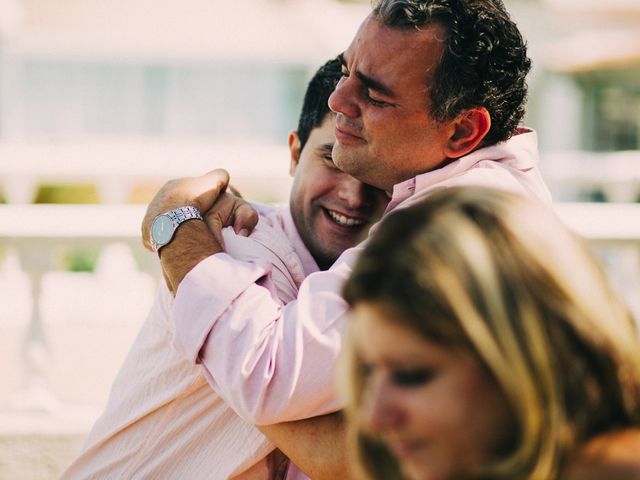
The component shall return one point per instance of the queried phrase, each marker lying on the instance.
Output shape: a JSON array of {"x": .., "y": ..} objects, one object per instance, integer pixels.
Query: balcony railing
[
  {"x": 63, "y": 335},
  {"x": 58, "y": 362},
  {"x": 35, "y": 235},
  {"x": 117, "y": 167}
]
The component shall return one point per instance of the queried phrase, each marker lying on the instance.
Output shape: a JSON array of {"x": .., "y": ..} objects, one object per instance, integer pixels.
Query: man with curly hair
[
  {"x": 431, "y": 96},
  {"x": 426, "y": 83}
]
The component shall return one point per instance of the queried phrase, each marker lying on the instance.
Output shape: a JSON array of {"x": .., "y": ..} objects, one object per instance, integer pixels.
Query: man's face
[
  {"x": 384, "y": 133},
  {"x": 331, "y": 210}
]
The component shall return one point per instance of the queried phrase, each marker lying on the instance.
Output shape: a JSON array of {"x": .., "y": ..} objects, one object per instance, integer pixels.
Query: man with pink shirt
[
  {"x": 431, "y": 97},
  {"x": 162, "y": 419}
]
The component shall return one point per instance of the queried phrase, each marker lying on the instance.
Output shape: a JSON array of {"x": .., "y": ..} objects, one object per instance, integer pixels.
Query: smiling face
[
  {"x": 436, "y": 409},
  {"x": 384, "y": 131},
  {"x": 331, "y": 210}
]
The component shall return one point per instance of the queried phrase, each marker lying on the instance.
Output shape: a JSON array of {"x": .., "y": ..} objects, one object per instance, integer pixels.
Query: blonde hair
[{"x": 498, "y": 275}]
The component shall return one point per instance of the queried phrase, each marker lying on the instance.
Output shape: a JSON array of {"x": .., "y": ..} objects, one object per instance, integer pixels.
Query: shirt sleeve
[{"x": 271, "y": 362}]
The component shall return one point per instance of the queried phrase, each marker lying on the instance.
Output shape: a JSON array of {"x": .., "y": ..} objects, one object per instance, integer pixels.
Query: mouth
[
  {"x": 346, "y": 135},
  {"x": 344, "y": 220},
  {"x": 403, "y": 449}
]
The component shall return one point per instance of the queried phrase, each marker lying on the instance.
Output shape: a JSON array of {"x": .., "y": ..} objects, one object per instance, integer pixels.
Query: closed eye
[
  {"x": 373, "y": 101},
  {"x": 325, "y": 152},
  {"x": 412, "y": 378}
]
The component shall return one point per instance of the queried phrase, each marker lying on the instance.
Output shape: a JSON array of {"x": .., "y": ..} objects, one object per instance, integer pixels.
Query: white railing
[
  {"x": 116, "y": 167},
  {"x": 603, "y": 223},
  {"x": 613, "y": 230},
  {"x": 615, "y": 174},
  {"x": 36, "y": 234},
  {"x": 33, "y": 237}
]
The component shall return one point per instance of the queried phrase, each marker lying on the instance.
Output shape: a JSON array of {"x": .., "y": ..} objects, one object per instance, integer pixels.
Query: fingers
[
  {"x": 230, "y": 210},
  {"x": 208, "y": 194},
  {"x": 205, "y": 190},
  {"x": 234, "y": 191},
  {"x": 215, "y": 224},
  {"x": 245, "y": 218}
]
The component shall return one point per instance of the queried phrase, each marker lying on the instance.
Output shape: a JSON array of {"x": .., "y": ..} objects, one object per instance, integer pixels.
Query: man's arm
[
  {"x": 316, "y": 445},
  {"x": 271, "y": 363},
  {"x": 193, "y": 241}
]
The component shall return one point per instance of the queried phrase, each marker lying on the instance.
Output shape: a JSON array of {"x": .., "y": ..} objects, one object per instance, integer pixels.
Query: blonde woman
[{"x": 486, "y": 343}]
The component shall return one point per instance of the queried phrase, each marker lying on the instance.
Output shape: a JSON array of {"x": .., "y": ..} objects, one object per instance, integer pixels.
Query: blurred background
[{"x": 102, "y": 102}]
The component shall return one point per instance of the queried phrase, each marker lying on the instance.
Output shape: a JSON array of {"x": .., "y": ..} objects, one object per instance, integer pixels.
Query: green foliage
[
  {"x": 54, "y": 193},
  {"x": 80, "y": 260}
]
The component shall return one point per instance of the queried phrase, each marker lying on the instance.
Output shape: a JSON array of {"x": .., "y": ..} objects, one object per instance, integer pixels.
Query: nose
[
  {"x": 342, "y": 100},
  {"x": 379, "y": 410},
  {"x": 353, "y": 193}
]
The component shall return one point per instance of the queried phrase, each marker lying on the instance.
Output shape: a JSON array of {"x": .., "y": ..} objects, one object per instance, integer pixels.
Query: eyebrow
[
  {"x": 369, "y": 81},
  {"x": 327, "y": 147}
]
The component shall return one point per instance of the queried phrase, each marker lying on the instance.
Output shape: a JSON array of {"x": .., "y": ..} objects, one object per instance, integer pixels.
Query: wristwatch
[{"x": 164, "y": 225}]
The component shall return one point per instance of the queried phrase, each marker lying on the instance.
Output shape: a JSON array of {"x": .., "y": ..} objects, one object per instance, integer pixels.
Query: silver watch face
[{"x": 162, "y": 230}]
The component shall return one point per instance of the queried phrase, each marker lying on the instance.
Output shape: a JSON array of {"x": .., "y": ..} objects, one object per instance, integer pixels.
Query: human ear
[
  {"x": 294, "y": 151},
  {"x": 469, "y": 129}
]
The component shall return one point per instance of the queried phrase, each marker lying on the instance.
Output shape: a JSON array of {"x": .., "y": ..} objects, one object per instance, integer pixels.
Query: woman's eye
[{"x": 412, "y": 378}]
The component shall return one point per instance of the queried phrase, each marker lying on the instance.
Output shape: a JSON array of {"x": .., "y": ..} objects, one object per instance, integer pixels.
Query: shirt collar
[
  {"x": 519, "y": 152},
  {"x": 401, "y": 191}
]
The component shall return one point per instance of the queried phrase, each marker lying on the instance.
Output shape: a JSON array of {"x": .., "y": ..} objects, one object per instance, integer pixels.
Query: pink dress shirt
[
  {"x": 274, "y": 362},
  {"x": 162, "y": 419}
]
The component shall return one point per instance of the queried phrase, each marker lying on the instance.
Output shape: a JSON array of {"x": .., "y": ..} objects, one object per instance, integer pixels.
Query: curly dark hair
[
  {"x": 484, "y": 61},
  {"x": 315, "y": 106}
]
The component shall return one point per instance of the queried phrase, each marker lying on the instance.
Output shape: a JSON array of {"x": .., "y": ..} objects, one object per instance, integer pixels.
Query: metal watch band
[
  {"x": 175, "y": 217},
  {"x": 182, "y": 214}
]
